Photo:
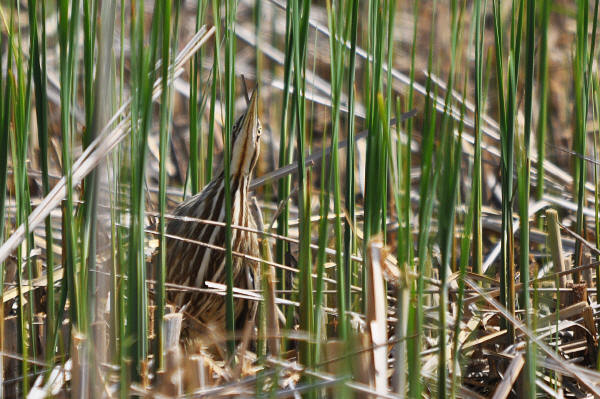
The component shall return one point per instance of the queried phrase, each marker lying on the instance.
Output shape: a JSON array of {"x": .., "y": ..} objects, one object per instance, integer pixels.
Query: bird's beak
[
  {"x": 246, "y": 147},
  {"x": 252, "y": 112},
  {"x": 251, "y": 117}
]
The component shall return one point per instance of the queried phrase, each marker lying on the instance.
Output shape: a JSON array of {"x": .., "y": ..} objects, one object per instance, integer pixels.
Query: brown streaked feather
[{"x": 193, "y": 265}]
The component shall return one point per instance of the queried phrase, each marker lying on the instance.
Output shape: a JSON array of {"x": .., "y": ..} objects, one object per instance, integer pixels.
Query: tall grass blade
[
  {"x": 542, "y": 123},
  {"x": 143, "y": 60},
  {"x": 300, "y": 12},
  {"x": 582, "y": 68},
  {"x": 196, "y": 167},
  {"x": 523, "y": 176},
  {"x": 230, "y": 42},
  {"x": 38, "y": 60},
  {"x": 165, "y": 115},
  {"x": 349, "y": 239},
  {"x": 4, "y": 140},
  {"x": 478, "y": 9}
]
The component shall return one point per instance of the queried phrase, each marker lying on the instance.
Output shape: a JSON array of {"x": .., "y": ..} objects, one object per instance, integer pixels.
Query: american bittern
[{"x": 192, "y": 264}]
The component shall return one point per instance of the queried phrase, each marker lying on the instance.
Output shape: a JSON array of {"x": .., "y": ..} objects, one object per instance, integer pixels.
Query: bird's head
[{"x": 246, "y": 140}]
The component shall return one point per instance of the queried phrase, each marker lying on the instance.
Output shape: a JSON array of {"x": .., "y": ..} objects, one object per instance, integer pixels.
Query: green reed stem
[
  {"x": 4, "y": 141},
  {"x": 349, "y": 238},
  {"x": 66, "y": 33},
  {"x": 230, "y": 41},
  {"x": 196, "y": 167},
  {"x": 300, "y": 12},
  {"x": 543, "y": 99},
  {"x": 286, "y": 147},
  {"x": 523, "y": 175},
  {"x": 465, "y": 243},
  {"x": 336, "y": 29},
  {"x": 38, "y": 59},
  {"x": 165, "y": 111},
  {"x": 216, "y": 76},
  {"x": 143, "y": 60},
  {"x": 582, "y": 68},
  {"x": 449, "y": 156},
  {"x": 412, "y": 345},
  {"x": 479, "y": 99},
  {"x": 427, "y": 189},
  {"x": 21, "y": 92},
  {"x": 508, "y": 117}
]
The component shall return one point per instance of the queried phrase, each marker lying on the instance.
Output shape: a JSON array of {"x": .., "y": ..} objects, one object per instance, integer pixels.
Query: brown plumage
[{"x": 190, "y": 264}]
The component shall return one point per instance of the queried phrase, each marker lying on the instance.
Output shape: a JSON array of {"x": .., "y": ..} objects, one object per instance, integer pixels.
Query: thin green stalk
[
  {"x": 24, "y": 82},
  {"x": 38, "y": 57},
  {"x": 230, "y": 42},
  {"x": 89, "y": 7},
  {"x": 508, "y": 116},
  {"x": 386, "y": 31},
  {"x": 320, "y": 261},
  {"x": 404, "y": 254},
  {"x": 122, "y": 53},
  {"x": 449, "y": 164},
  {"x": 464, "y": 261},
  {"x": 376, "y": 158},
  {"x": 413, "y": 345},
  {"x": 427, "y": 189},
  {"x": 196, "y": 168},
  {"x": 477, "y": 186},
  {"x": 450, "y": 154},
  {"x": 114, "y": 263},
  {"x": 117, "y": 299},
  {"x": 216, "y": 75},
  {"x": 86, "y": 215},
  {"x": 165, "y": 111},
  {"x": 22, "y": 341},
  {"x": 286, "y": 146},
  {"x": 543, "y": 100},
  {"x": 398, "y": 174},
  {"x": 66, "y": 34},
  {"x": 524, "y": 166},
  {"x": 582, "y": 74},
  {"x": 300, "y": 12},
  {"x": 336, "y": 28},
  {"x": 101, "y": 111},
  {"x": 19, "y": 148},
  {"x": 4, "y": 139},
  {"x": 349, "y": 239},
  {"x": 143, "y": 60},
  {"x": 596, "y": 102},
  {"x": 374, "y": 190}
]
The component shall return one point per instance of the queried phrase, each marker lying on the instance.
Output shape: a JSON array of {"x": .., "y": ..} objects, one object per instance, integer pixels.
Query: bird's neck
[{"x": 237, "y": 182}]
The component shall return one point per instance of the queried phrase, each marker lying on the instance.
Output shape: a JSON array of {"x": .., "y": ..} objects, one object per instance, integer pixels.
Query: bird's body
[{"x": 195, "y": 252}]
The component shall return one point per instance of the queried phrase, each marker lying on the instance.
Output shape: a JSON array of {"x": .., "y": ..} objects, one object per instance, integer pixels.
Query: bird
[{"x": 191, "y": 264}]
